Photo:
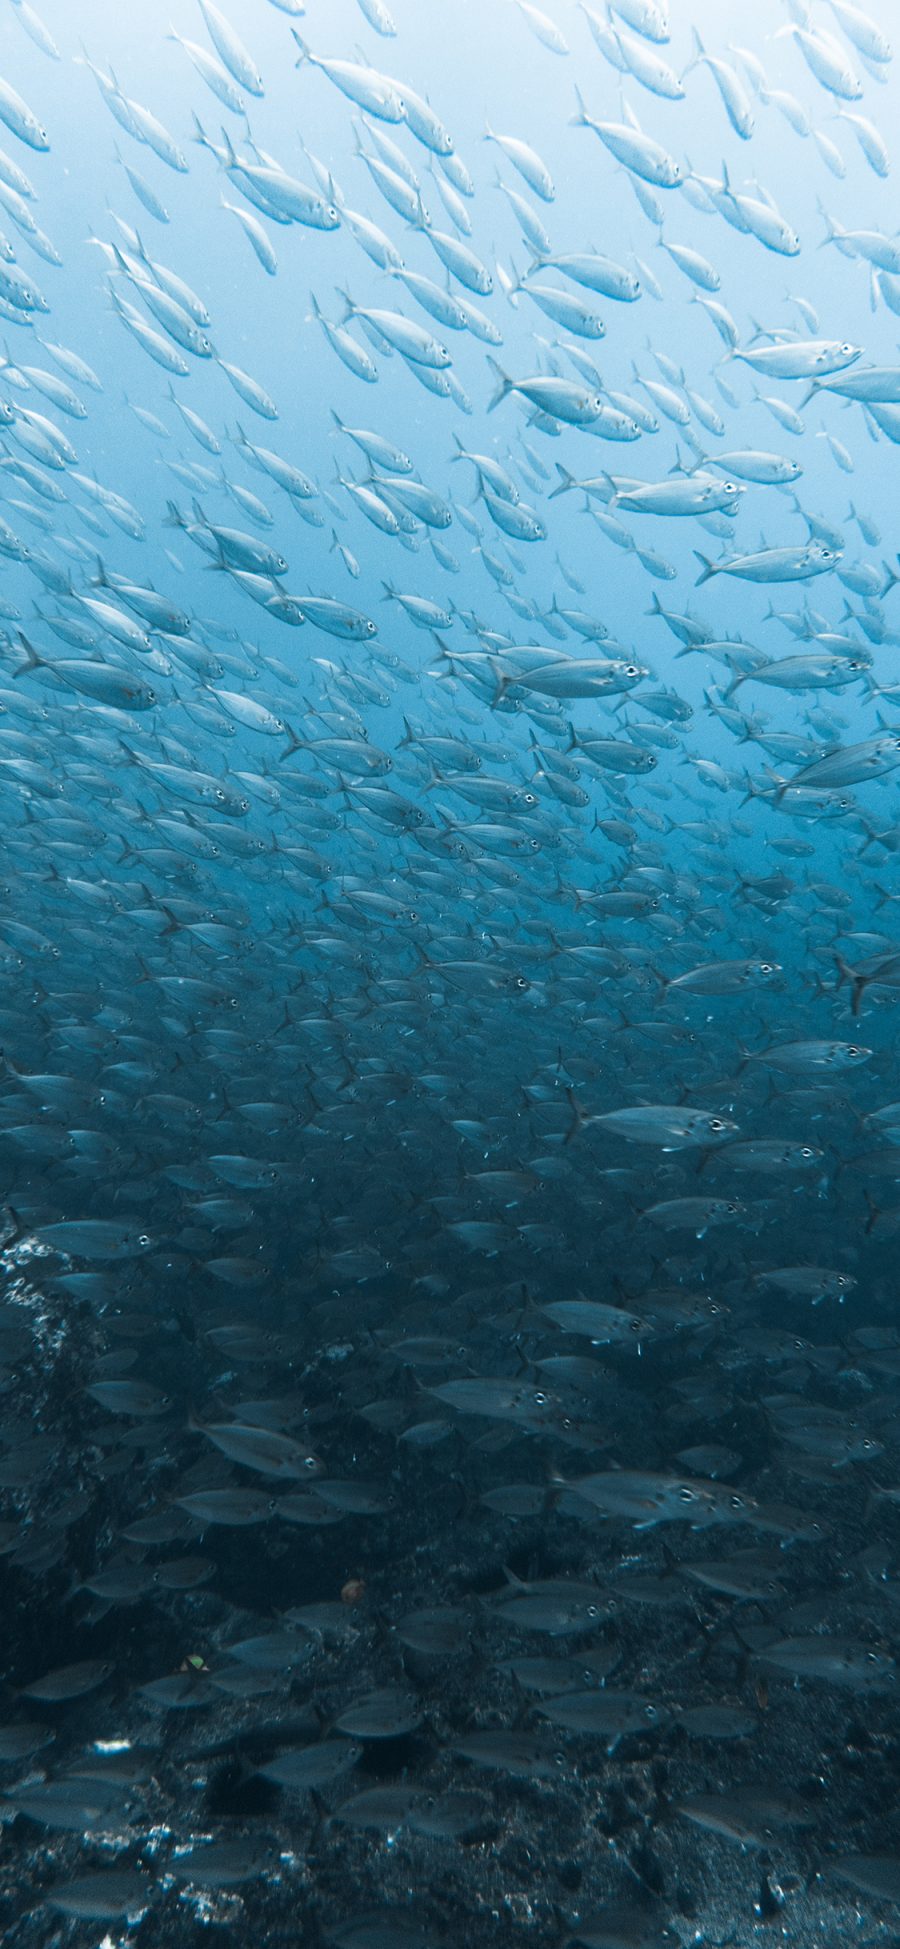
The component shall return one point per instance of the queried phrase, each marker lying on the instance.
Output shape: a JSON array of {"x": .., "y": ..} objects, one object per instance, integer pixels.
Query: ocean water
[{"x": 449, "y": 1102}]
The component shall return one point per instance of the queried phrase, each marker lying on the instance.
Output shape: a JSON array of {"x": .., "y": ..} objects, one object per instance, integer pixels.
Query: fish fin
[
  {"x": 566, "y": 482},
  {"x": 33, "y": 661},
  {"x": 582, "y": 120},
  {"x": 504, "y": 384},
  {"x": 231, "y": 161}
]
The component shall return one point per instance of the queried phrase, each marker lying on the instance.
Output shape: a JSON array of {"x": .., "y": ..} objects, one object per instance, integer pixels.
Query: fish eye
[
  {"x": 806, "y": 1151},
  {"x": 853, "y": 1051},
  {"x": 766, "y": 967},
  {"x": 631, "y": 670},
  {"x": 716, "y": 1123},
  {"x": 144, "y": 1238},
  {"x": 650, "y": 1713},
  {"x": 309, "y": 1462},
  {"x": 731, "y": 487},
  {"x": 685, "y": 1494},
  {"x": 520, "y": 983},
  {"x": 539, "y": 1399},
  {"x": 848, "y": 348},
  {"x": 244, "y": 805},
  {"x": 370, "y": 629},
  {"x": 735, "y": 1502},
  {"x": 593, "y": 1610}
]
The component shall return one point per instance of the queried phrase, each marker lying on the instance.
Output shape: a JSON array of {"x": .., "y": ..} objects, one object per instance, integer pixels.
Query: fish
[
  {"x": 668, "y": 1125},
  {"x": 773, "y": 564}
]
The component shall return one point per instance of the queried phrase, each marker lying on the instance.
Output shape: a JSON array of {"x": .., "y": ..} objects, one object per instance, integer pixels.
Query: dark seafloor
[{"x": 449, "y": 1109}]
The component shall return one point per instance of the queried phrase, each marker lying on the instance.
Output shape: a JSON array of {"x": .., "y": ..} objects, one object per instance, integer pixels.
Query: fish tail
[
  {"x": 578, "y": 1118},
  {"x": 708, "y": 568},
  {"x": 504, "y": 384},
  {"x": 582, "y": 119},
  {"x": 200, "y": 134},
  {"x": 502, "y": 681},
  {"x": 304, "y": 53},
  {"x": 857, "y": 982},
  {"x": 566, "y": 482},
  {"x": 698, "y": 55},
  {"x": 33, "y": 661},
  {"x": 832, "y": 230},
  {"x": 231, "y": 161}
]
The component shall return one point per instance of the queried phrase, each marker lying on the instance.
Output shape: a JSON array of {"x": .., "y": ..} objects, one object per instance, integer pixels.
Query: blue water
[{"x": 449, "y": 1123}]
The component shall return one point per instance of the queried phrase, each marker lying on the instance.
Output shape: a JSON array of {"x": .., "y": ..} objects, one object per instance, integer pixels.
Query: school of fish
[{"x": 449, "y": 1080}]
